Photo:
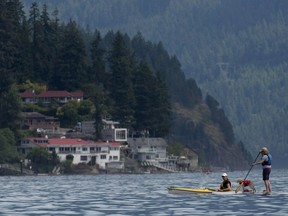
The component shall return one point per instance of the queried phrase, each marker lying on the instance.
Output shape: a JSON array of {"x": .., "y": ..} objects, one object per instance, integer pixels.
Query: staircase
[{"x": 169, "y": 168}]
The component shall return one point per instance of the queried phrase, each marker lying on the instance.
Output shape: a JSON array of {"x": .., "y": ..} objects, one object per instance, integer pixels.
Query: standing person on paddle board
[
  {"x": 266, "y": 162},
  {"x": 226, "y": 185},
  {"x": 244, "y": 184}
]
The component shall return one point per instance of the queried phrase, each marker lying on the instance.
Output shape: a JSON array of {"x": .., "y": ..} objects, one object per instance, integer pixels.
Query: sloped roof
[
  {"x": 28, "y": 94},
  {"x": 51, "y": 94},
  {"x": 32, "y": 115},
  {"x": 71, "y": 142},
  {"x": 77, "y": 94}
]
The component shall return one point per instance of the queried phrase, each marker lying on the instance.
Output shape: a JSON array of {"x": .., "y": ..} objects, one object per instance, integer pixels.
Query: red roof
[
  {"x": 77, "y": 94},
  {"x": 28, "y": 94},
  {"x": 50, "y": 94},
  {"x": 70, "y": 142}
]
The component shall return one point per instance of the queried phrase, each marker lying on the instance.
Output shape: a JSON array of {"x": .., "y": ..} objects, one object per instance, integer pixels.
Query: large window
[
  {"x": 103, "y": 156},
  {"x": 120, "y": 134}
]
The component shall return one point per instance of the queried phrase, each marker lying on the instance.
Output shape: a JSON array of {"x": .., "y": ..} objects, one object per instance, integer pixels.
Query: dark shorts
[{"x": 266, "y": 173}]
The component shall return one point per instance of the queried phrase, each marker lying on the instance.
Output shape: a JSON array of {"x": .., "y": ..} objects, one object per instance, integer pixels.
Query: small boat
[{"x": 201, "y": 191}]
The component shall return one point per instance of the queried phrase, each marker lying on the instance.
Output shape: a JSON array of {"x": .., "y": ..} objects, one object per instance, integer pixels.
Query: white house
[{"x": 104, "y": 154}]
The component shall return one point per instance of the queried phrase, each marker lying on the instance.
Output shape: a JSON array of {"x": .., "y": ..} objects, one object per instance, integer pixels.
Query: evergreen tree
[
  {"x": 122, "y": 66},
  {"x": 47, "y": 46},
  {"x": 143, "y": 90},
  {"x": 71, "y": 65},
  {"x": 10, "y": 31},
  {"x": 97, "y": 57},
  {"x": 36, "y": 32},
  {"x": 161, "y": 109},
  {"x": 8, "y": 151}
]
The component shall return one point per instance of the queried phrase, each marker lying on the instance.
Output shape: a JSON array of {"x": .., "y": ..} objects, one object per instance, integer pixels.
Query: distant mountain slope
[{"x": 235, "y": 50}]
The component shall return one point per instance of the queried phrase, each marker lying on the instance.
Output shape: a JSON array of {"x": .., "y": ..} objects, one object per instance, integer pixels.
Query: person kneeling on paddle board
[
  {"x": 226, "y": 185},
  {"x": 244, "y": 184}
]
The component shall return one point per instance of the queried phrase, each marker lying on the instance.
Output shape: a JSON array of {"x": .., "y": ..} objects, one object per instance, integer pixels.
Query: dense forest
[
  {"x": 235, "y": 50},
  {"x": 127, "y": 79}
]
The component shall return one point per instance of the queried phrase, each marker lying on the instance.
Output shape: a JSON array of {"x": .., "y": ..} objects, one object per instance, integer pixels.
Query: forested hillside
[
  {"x": 235, "y": 50},
  {"x": 130, "y": 80}
]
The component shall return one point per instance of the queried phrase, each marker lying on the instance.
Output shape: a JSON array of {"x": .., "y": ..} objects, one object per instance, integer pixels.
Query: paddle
[{"x": 237, "y": 189}]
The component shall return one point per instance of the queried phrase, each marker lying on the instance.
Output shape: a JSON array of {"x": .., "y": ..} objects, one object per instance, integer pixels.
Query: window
[
  {"x": 84, "y": 149},
  {"x": 115, "y": 157},
  {"x": 103, "y": 156},
  {"x": 120, "y": 134},
  {"x": 51, "y": 149},
  {"x": 83, "y": 158}
]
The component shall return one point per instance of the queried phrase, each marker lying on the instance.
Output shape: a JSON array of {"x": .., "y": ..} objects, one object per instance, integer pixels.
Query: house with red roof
[
  {"x": 51, "y": 96},
  {"x": 102, "y": 154},
  {"x": 28, "y": 96}
]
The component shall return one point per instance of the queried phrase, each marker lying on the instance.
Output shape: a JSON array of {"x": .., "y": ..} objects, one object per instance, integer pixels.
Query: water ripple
[{"x": 118, "y": 195}]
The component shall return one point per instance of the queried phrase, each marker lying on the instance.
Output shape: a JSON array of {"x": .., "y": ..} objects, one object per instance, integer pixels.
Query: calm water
[{"x": 138, "y": 195}]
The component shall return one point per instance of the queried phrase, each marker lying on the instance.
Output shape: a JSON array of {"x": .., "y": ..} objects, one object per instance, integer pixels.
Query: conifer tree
[
  {"x": 10, "y": 31},
  {"x": 71, "y": 65},
  {"x": 143, "y": 90},
  {"x": 161, "y": 109},
  {"x": 122, "y": 66},
  {"x": 97, "y": 57}
]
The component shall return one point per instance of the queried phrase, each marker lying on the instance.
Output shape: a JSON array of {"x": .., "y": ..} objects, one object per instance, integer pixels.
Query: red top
[{"x": 246, "y": 182}]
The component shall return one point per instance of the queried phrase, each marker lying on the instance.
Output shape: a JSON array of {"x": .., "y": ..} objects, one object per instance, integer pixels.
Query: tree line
[{"x": 130, "y": 80}]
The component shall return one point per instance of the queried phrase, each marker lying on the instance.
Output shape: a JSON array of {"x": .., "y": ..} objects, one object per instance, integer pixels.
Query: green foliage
[
  {"x": 74, "y": 111},
  {"x": 68, "y": 114},
  {"x": 71, "y": 65},
  {"x": 122, "y": 66},
  {"x": 8, "y": 151},
  {"x": 69, "y": 157},
  {"x": 28, "y": 85},
  {"x": 67, "y": 166},
  {"x": 175, "y": 149},
  {"x": 252, "y": 42},
  {"x": 42, "y": 161},
  {"x": 10, "y": 108},
  {"x": 133, "y": 81}
]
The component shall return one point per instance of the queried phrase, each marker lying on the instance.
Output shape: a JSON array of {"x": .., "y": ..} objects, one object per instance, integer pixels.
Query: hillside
[
  {"x": 130, "y": 80},
  {"x": 236, "y": 51}
]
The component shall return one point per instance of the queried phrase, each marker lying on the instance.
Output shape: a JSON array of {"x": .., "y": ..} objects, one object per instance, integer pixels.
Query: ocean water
[{"x": 144, "y": 194}]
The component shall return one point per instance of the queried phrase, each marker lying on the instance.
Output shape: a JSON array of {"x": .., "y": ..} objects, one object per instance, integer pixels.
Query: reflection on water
[{"x": 138, "y": 195}]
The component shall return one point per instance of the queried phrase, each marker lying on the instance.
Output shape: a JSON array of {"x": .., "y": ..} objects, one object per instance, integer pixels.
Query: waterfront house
[
  {"x": 148, "y": 149},
  {"x": 102, "y": 154}
]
